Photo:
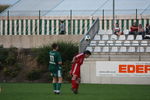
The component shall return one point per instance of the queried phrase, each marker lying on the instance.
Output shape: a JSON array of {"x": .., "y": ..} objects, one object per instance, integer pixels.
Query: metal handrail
[{"x": 94, "y": 29}]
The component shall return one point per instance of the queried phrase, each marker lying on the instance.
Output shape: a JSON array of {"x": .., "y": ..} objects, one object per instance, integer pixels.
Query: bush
[
  {"x": 3, "y": 55},
  {"x": 66, "y": 69},
  {"x": 34, "y": 75},
  {"x": 11, "y": 59},
  {"x": 8, "y": 56},
  {"x": 67, "y": 51},
  {"x": 42, "y": 56},
  {"x": 12, "y": 71}
]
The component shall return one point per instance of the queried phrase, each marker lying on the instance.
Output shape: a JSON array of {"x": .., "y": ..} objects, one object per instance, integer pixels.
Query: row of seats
[
  {"x": 118, "y": 49},
  {"x": 115, "y": 37},
  {"x": 110, "y": 32},
  {"x": 120, "y": 43}
]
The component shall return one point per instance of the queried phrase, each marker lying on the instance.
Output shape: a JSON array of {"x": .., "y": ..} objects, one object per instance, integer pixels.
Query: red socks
[{"x": 74, "y": 84}]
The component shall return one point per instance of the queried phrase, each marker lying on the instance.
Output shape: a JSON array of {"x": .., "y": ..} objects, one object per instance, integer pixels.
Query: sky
[
  {"x": 8, "y": 1},
  {"x": 78, "y": 5},
  {"x": 75, "y": 4}
]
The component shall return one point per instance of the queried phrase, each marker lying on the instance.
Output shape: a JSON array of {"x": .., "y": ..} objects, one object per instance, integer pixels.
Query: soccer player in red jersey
[{"x": 75, "y": 70}]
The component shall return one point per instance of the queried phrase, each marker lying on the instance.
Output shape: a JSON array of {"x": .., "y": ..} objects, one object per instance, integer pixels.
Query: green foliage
[
  {"x": 66, "y": 69},
  {"x": 11, "y": 61},
  {"x": 12, "y": 71},
  {"x": 3, "y": 55},
  {"x": 11, "y": 58},
  {"x": 34, "y": 75},
  {"x": 42, "y": 55},
  {"x": 8, "y": 56},
  {"x": 67, "y": 51},
  {"x": 8, "y": 62}
]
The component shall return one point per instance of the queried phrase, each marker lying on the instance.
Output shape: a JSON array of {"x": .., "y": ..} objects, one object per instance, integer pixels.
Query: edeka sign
[{"x": 123, "y": 69}]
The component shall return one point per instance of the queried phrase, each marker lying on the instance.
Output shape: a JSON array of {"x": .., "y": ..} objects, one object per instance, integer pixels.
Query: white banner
[{"x": 123, "y": 69}]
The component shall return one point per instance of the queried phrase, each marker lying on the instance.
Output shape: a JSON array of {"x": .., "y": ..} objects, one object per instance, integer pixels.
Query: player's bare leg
[
  {"x": 55, "y": 84},
  {"x": 60, "y": 79}
]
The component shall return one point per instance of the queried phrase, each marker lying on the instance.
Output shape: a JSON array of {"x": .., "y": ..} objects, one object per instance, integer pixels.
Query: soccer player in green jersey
[{"x": 55, "y": 68}]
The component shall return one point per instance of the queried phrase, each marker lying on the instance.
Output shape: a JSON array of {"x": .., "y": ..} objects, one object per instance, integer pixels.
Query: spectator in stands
[
  {"x": 133, "y": 29},
  {"x": 62, "y": 28},
  {"x": 147, "y": 29},
  {"x": 117, "y": 30},
  {"x": 140, "y": 29}
]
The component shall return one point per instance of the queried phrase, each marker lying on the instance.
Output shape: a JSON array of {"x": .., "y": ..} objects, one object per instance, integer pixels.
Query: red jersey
[
  {"x": 79, "y": 58},
  {"x": 78, "y": 61},
  {"x": 134, "y": 28}
]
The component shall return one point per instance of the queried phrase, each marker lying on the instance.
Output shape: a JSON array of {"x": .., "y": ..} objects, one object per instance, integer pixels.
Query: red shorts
[{"x": 75, "y": 70}]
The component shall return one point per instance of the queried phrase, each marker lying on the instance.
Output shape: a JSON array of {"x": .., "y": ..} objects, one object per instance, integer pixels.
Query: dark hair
[
  {"x": 87, "y": 52},
  {"x": 54, "y": 46},
  {"x": 61, "y": 21}
]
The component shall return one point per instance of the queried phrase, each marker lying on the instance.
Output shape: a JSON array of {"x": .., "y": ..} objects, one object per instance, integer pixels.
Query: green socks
[{"x": 56, "y": 87}]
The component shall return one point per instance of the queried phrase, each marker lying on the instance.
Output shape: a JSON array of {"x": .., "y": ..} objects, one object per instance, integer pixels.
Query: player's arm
[
  {"x": 59, "y": 59},
  {"x": 74, "y": 59},
  {"x": 60, "y": 63}
]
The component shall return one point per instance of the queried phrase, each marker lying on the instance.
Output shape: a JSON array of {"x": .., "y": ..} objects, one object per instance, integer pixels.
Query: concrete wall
[
  {"x": 88, "y": 75},
  {"x": 30, "y": 41}
]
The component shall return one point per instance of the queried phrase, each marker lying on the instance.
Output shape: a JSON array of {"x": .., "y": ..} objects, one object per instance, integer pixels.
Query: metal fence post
[
  {"x": 139, "y": 52},
  {"x": 39, "y": 22},
  {"x": 136, "y": 16},
  {"x": 109, "y": 51},
  {"x": 70, "y": 21},
  {"x": 103, "y": 20},
  {"x": 113, "y": 15},
  {"x": 8, "y": 22}
]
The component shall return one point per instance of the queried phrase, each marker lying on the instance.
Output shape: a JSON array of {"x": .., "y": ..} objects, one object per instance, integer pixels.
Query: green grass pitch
[{"x": 43, "y": 91}]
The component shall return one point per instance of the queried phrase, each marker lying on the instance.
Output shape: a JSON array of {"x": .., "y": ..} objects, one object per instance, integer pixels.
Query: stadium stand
[{"x": 104, "y": 42}]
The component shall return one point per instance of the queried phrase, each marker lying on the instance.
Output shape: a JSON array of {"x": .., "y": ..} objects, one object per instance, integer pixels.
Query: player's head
[
  {"x": 62, "y": 21},
  {"x": 55, "y": 46},
  {"x": 87, "y": 53}
]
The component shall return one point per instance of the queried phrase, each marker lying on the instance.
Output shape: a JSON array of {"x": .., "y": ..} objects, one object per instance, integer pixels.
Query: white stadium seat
[
  {"x": 118, "y": 43},
  {"x": 140, "y": 49},
  {"x": 147, "y": 49},
  {"x": 144, "y": 43},
  {"x": 97, "y": 37},
  {"x": 114, "y": 49},
  {"x": 89, "y": 48},
  {"x": 122, "y": 37},
  {"x": 105, "y": 37},
  {"x": 110, "y": 43},
  {"x": 126, "y": 43},
  {"x": 101, "y": 43},
  {"x": 130, "y": 37},
  {"x": 131, "y": 49},
  {"x": 135, "y": 43},
  {"x": 139, "y": 37},
  {"x": 109, "y": 32},
  {"x": 101, "y": 32},
  {"x": 126, "y": 31},
  {"x": 123, "y": 49},
  {"x": 105, "y": 49},
  {"x": 97, "y": 49},
  {"x": 93, "y": 43},
  {"x": 113, "y": 37}
]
